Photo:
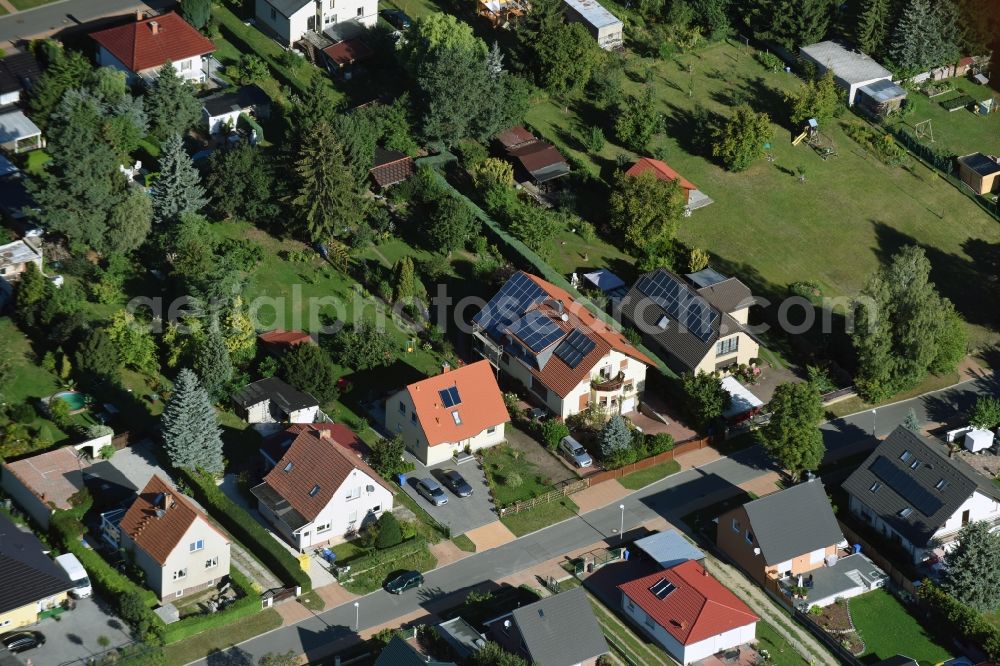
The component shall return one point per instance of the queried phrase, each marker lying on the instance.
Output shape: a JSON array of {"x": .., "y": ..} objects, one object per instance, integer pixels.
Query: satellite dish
[{"x": 756, "y": 551}]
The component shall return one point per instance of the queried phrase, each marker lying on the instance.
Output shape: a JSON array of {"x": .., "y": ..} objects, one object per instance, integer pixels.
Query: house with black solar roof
[
  {"x": 911, "y": 490},
  {"x": 538, "y": 335},
  {"x": 697, "y": 325}
]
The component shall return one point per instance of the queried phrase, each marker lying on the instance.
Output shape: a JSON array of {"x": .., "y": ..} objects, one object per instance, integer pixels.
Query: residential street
[
  {"x": 64, "y": 14},
  {"x": 319, "y": 636}
]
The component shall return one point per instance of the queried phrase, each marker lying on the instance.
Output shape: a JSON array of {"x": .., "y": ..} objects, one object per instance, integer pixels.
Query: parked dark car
[
  {"x": 19, "y": 641},
  {"x": 432, "y": 491},
  {"x": 456, "y": 483},
  {"x": 405, "y": 581},
  {"x": 397, "y": 18}
]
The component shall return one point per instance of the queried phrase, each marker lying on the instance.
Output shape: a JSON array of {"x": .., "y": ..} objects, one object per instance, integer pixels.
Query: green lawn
[
  {"x": 765, "y": 226},
  {"x": 35, "y": 162},
  {"x": 959, "y": 132},
  {"x": 504, "y": 466},
  {"x": 196, "y": 647},
  {"x": 27, "y": 381},
  {"x": 777, "y": 647},
  {"x": 464, "y": 543},
  {"x": 375, "y": 578},
  {"x": 930, "y": 383},
  {"x": 541, "y": 516},
  {"x": 22, "y": 5},
  {"x": 644, "y": 477},
  {"x": 888, "y": 629},
  {"x": 639, "y": 650}
]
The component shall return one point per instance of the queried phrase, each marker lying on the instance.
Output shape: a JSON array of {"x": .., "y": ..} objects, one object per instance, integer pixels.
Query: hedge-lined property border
[
  {"x": 247, "y": 530},
  {"x": 955, "y": 618},
  {"x": 247, "y": 604}
]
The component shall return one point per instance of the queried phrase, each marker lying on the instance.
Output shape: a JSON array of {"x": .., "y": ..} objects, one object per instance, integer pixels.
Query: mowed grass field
[
  {"x": 960, "y": 132},
  {"x": 766, "y": 226}
]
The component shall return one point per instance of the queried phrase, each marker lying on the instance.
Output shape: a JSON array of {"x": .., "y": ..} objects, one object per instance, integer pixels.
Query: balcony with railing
[{"x": 605, "y": 384}]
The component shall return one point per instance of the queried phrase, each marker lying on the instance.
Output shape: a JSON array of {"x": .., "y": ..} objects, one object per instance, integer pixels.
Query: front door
[{"x": 311, "y": 23}]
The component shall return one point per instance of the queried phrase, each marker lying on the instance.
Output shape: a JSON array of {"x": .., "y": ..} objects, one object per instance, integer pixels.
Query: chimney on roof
[
  {"x": 556, "y": 305},
  {"x": 139, "y": 15},
  {"x": 445, "y": 367},
  {"x": 324, "y": 433},
  {"x": 154, "y": 27}
]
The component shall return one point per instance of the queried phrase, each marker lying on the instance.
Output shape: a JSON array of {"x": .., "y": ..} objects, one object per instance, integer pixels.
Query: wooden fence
[
  {"x": 666, "y": 456},
  {"x": 561, "y": 490}
]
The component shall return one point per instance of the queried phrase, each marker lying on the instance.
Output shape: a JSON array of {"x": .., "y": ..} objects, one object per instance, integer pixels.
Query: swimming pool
[{"x": 74, "y": 399}]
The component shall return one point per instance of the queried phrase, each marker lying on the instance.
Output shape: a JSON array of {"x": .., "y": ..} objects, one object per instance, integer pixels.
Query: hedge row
[
  {"x": 388, "y": 555},
  {"x": 955, "y": 618},
  {"x": 248, "y": 604},
  {"x": 246, "y": 530}
]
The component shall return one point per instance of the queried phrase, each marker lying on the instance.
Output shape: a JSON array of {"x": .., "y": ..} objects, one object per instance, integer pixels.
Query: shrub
[
  {"x": 246, "y": 530},
  {"x": 247, "y": 604},
  {"x": 389, "y": 532},
  {"x": 660, "y": 443},
  {"x": 806, "y": 289},
  {"x": 770, "y": 61},
  {"x": 21, "y": 412},
  {"x": 513, "y": 479},
  {"x": 551, "y": 433},
  {"x": 986, "y": 413}
]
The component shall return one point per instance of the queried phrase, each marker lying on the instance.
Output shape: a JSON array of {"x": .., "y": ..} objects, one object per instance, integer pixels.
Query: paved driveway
[
  {"x": 72, "y": 639},
  {"x": 138, "y": 464},
  {"x": 461, "y": 514}
]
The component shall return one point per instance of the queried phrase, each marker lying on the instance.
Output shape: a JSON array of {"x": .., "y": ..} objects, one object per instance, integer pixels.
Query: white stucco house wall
[
  {"x": 443, "y": 415},
  {"x": 140, "y": 48},
  {"x": 172, "y": 542},
  {"x": 271, "y": 400},
  {"x": 538, "y": 335},
  {"x": 320, "y": 491},
  {"x": 688, "y": 612},
  {"x": 289, "y": 20}
]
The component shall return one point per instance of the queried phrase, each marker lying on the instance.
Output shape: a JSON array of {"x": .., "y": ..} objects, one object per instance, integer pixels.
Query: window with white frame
[
  {"x": 211, "y": 562},
  {"x": 354, "y": 493},
  {"x": 736, "y": 525},
  {"x": 491, "y": 430},
  {"x": 180, "y": 573},
  {"x": 195, "y": 546},
  {"x": 727, "y": 346},
  {"x": 325, "y": 527},
  {"x": 361, "y": 11},
  {"x": 186, "y": 65}
]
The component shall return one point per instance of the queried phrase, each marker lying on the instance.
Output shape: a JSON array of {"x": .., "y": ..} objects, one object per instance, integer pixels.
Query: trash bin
[
  {"x": 625, "y": 554},
  {"x": 402, "y": 479},
  {"x": 590, "y": 567}
]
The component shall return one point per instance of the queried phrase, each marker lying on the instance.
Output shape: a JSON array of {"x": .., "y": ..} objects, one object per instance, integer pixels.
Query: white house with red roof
[
  {"x": 319, "y": 489},
  {"x": 693, "y": 197},
  {"x": 688, "y": 612},
  {"x": 442, "y": 415},
  {"x": 142, "y": 47},
  {"x": 537, "y": 334}
]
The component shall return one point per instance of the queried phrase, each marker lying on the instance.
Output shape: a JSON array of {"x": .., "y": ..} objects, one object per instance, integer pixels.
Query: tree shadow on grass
[{"x": 692, "y": 130}]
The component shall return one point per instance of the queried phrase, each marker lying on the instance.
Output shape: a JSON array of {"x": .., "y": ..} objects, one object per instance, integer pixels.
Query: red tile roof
[
  {"x": 158, "y": 536},
  {"x": 139, "y": 48},
  {"x": 661, "y": 170},
  {"x": 481, "y": 403},
  {"x": 515, "y": 136},
  {"x": 316, "y": 460},
  {"x": 390, "y": 167},
  {"x": 698, "y": 608},
  {"x": 348, "y": 52},
  {"x": 282, "y": 337},
  {"x": 537, "y": 155}
]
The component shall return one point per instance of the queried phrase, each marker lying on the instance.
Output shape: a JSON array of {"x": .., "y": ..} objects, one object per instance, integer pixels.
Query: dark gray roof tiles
[
  {"x": 729, "y": 295},
  {"x": 287, "y": 398},
  {"x": 560, "y": 630},
  {"x": 27, "y": 574},
  {"x": 793, "y": 522}
]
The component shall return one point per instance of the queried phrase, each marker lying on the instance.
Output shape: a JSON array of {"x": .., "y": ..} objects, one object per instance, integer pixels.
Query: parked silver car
[
  {"x": 432, "y": 491},
  {"x": 575, "y": 452}
]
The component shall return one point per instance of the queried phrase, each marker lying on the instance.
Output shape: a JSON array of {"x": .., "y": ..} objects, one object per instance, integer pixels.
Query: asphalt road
[
  {"x": 325, "y": 633},
  {"x": 58, "y": 16}
]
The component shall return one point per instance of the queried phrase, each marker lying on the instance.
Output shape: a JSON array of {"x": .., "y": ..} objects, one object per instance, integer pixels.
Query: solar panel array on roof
[
  {"x": 536, "y": 331},
  {"x": 449, "y": 396},
  {"x": 574, "y": 348},
  {"x": 662, "y": 588},
  {"x": 516, "y": 296},
  {"x": 689, "y": 310},
  {"x": 906, "y": 486}
]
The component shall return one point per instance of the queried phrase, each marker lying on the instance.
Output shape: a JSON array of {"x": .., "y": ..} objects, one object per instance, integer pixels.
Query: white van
[{"x": 77, "y": 574}]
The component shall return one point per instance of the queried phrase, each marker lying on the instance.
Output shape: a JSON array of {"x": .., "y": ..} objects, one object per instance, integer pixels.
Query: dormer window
[
  {"x": 456, "y": 417},
  {"x": 663, "y": 322},
  {"x": 915, "y": 464},
  {"x": 941, "y": 485},
  {"x": 905, "y": 512},
  {"x": 314, "y": 490},
  {"x": 289, "y": 466},
  {"x": 905, "y": 456},
  {"x": 875, "y": 487}
]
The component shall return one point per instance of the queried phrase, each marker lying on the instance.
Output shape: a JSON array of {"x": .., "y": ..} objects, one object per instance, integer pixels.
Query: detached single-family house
[
  {"x": 688, "y": 612},
  {"x": 560, "y": 630},
  {"x": 787, "y": 533},
  {"x": 172, "y": 542},
  {"x": 43, "y": 483},
  {"x": 271, "y": 400},
  {"x": 320, "y": 490},
  {"x": 18, "y": 133},
  {"x": 390, "y": 167},
  {"x": 288, "y": 20},
  {"x": 857, "y": 74},
  {"x": 141, "y": 47},
  {"x": 18, "y": 72},
  {"x": 443, "y": 415},
  {"x": 693, "y": 197},
  {"x": 15, "y": 257},
  {"x": 30, "y": 582},
  {"x": 910, "y": 490},
  {"x": 400, "y": 653},
  {"x": 980, "y": 172},
  {"x": 696, "y": 328},
  {"x": 222, "y": 110},
  {"x": 538, "y": 335},
  {"x": 607, "y": 29}
]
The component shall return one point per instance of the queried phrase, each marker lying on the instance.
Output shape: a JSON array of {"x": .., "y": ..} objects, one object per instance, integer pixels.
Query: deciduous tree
[
  {"x": 97, "y": 358},
  {"x": 792, "y": 437},
  {"x": 451, "y": 225},
  {"x": 363, "y": 347},
  {"x": 196, "y": 12},
  {"x": 645, "y": 210},
  {"x": 818, "y": 98},
  {"x": 636, "y": 121},
  {"x": 741, "y": 140},
  {"x": 241, "y": 183},
  {"x": 309, "y": 368},
  {"x": 985, "y": 413},
  {"x": 190, "y": 427},
  {"x": 134, "y": 343},
  {"x": 706, "y": 399},
  {"x": 389, "y": 534},
  {"x": 387, "y": 457}
]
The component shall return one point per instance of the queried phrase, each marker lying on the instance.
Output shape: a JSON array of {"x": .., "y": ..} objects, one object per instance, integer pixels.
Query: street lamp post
[
  {"x": 621, "y": 529},
  {"x": 874, "y": 423},
  {"x": 357, "y": 615}
]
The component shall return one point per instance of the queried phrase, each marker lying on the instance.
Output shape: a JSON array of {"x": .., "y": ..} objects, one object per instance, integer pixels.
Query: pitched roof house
[
  {"x": 790, "y": 532},
  {"x": 697, "y": 329},
  {"x": 533, "y": 159},
  {"x": 560, "y": 630},
  {"x": 539, "y": 335},
  {"x": 400, "y": 653},
  {"x": 290, "y": 20},
  {"x": 444, "y": 414},
  {"x": 173, "y": 542},
  {"x": 30, "y": 582},
  {"x": 140, "y": 48},
  {"x": 271, "y": 400},
  {"x": 662, "y": 171},
  {"x": 910, "y": 490},
  {"x": 18, "y": 72},
  {"x": 221, "y": 111},
  {"x": 320, "y": 490},
  {"x": 390, "y": 167},
  {"x": 688, "y": 612}
]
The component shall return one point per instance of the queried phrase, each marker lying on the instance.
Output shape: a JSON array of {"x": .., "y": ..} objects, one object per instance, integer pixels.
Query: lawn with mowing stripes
[{"x": 888, "y": 629}]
